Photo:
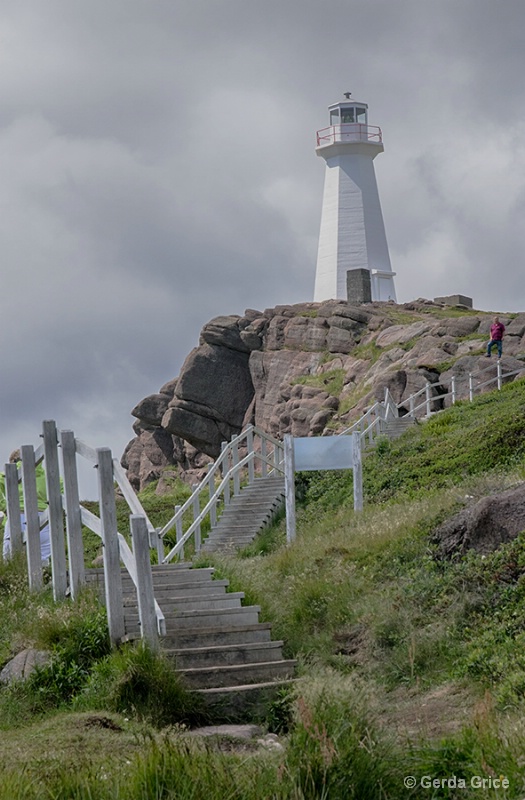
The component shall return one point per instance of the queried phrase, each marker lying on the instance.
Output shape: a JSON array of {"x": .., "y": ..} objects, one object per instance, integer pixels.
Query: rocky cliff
[{"x": 307, "y": 369}]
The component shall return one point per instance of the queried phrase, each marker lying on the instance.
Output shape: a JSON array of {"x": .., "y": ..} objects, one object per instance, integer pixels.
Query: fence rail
[
  {"x": 249, "y": 454},
  {"x": 264, "y": 455},
  {"x": 427, "y": 401},
  {"x": 68, "y": 574}
]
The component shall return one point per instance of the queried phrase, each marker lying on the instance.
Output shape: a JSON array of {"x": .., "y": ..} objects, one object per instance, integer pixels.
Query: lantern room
[{"x": 348, "y": 123}]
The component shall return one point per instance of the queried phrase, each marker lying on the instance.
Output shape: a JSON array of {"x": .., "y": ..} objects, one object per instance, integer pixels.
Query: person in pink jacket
[{"x": 497, "y": 329}]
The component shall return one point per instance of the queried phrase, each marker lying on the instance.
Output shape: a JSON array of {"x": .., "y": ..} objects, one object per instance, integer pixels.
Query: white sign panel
[{"x": 323, "y": 452}]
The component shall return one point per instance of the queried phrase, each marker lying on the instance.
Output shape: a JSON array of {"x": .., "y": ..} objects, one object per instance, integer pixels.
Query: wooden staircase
[
  {"x": 218, "y": 646},
  {"x": 397, "y": 426},
  {"x": 245, "y": 516}
]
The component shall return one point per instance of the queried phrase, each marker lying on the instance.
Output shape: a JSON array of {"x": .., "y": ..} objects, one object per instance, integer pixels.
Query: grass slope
[{"x": 408, "y": 665}]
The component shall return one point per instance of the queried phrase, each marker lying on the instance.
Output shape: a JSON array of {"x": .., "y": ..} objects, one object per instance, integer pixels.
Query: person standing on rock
[{"x": 497, "y": 329}]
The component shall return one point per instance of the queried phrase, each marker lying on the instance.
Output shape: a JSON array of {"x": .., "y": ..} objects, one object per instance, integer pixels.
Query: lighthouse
[{"x": 353, "y": 249}]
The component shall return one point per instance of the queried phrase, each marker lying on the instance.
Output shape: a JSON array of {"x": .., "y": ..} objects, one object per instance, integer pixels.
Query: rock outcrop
[
  {"x": 306, "y": 369},
  {"x": 489, "y": 523}
]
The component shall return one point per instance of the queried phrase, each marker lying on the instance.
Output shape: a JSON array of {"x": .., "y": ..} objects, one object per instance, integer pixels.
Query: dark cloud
[{"x": 157, "y": 168}]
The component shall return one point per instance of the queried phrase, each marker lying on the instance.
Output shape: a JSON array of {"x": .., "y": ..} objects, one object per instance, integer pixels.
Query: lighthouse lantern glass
[{"x": 334, "y": 116}]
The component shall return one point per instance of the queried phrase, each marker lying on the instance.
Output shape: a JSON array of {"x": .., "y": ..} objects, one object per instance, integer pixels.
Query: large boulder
[
  {"x": 213, "y": 393},
  {"x": 268, "y": 368},
  {"x": 484, "y": 526},
  {"x": 24, "y": 664}
]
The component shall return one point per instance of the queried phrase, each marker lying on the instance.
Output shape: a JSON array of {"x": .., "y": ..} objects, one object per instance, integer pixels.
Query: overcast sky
[{"x": 158, "y": 168}]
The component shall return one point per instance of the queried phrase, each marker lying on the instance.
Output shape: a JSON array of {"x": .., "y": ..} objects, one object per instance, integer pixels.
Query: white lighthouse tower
[{"x": 352, "y": 235}]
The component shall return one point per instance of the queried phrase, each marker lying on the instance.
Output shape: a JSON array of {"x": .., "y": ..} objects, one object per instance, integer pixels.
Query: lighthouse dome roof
[{"x": 349, "y": 102}]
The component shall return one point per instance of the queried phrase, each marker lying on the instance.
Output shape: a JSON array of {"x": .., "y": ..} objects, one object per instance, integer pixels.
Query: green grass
[
  {"x": 408, "y": 664},
  {"x": 331, "y": 381}
]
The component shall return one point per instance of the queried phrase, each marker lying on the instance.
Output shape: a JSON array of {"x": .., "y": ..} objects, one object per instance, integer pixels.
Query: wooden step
[
  {"x": 237, "y": 674},
  {"x": 214, "y": 636},
  {"x": 219, "y": 655}
]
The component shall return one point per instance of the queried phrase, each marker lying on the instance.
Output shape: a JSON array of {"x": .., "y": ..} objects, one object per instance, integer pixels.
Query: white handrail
[
  {"x": 382, "y": 410},
  {"x": 275, "y": 461}
]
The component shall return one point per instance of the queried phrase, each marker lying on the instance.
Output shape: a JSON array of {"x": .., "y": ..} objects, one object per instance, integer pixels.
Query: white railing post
[
  {"x": 213, "y": 508},
  {"x": 225, "y": 468},
  {"x": 289, "y": 490},
  {"x": 411, "y": 405},
  {"x": 196, "y": 512},
  {"x": 179, "y": 532},
  {"x": 470, "y": 387},
  {"x": 145, "y": 594},
  {"x": 34, "y": 554},
  {"x": 453, "y": 388},
  {"x": 427, "y": 398},
  {"x": 357, "y": 471},
  {"x": 236, "y": 475},
  {"x": 251, "y": 463},
  {"x": 159, "y": 546},
  {"x": 75, "y": 547},
  {"x": 110, "y": 546},
  {"x": 498, "y": 367},
  {"x": 13, "y": 507},
  {"x": 276, "y": 459},
  {"x": 56, "y": 519},
  {"x": 264, "y": 465},
  {"x": 226, "y": 460}
]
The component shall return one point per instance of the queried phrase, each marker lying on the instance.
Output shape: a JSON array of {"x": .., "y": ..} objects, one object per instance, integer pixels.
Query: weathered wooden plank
[
  {"x": 91, "y": 521},
  {"x": 145, "y": 595},
  {"x": 56, "y": 519},
  {"x": 110, "y": 546},
  {"x": 129, "y": 495},
  {"x": 34, "y": 556},
  {"x": 251, "y": 463},
  {"x": 196, "y": 512},
  {"x": 235, "y": 461},
  {"x": 357, "y": 470},
  {"x": 13, "y": 507},
  {"x": 264, "y": 465},
  {"x": 178, "y": 531},
  {"x": 87, "y": 452},
  {"x": 75, "y": 547},
  {"x": 289, "y": 488}
]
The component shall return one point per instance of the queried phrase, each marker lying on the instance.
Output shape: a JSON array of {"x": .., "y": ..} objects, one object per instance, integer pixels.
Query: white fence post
[
  {"x": 110, "y": 546},
  {"x": 427, "y": 398},
  {"x": 13, "y": 507},
  {"x": 34, "y": 553},
  {"x": 251, "y": 463},
  {"x": 264, "y": 465},
  {"x": 213, "y": 507},
  {"x": 289, "y": 484},
  {"x": 145, "y": 594},
  {"x": 498, "y": 367},
  {"x": 75, "y": 547},
  {"x": 179, "y": 532},
  {"x": 357, "y": 471},
  {"x": 56, "y": 517},
  {"x": 236, "y": 475},
  {"x": 196, "y": 512},
  {"x": 470, "y": 387},
  {"x": 453, "y": 388},
  {"x": 225, "y": 467}
]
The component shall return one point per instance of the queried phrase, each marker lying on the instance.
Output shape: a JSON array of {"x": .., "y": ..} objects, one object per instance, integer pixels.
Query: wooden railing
[
  {"x": 264, "y": 456},
  {"x": 252, "y": 453},
  {"x": 424, "y": 402},
  {"x": 69, "y": 575}
]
